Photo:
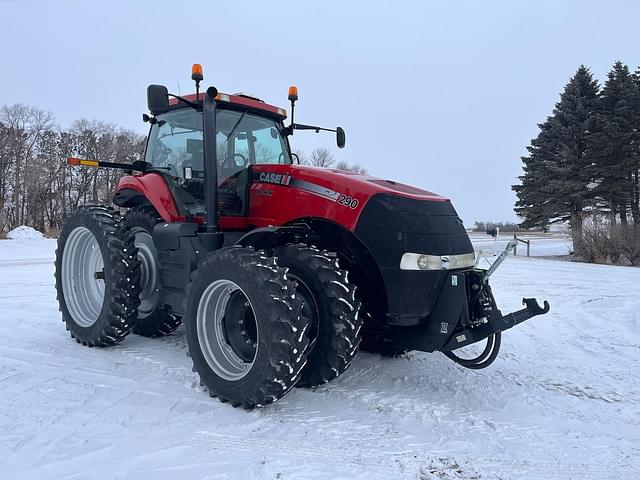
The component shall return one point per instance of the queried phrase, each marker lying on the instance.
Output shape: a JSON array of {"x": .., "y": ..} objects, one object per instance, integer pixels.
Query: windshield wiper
[
  {"x": 235, "y": 126},
  {"x": 193, "y": 105}
]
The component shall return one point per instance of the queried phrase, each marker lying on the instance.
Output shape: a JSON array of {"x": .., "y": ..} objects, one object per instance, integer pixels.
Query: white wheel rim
[
  {"x": 83, "y": 277},
  {"x": 215, "y": 347}
]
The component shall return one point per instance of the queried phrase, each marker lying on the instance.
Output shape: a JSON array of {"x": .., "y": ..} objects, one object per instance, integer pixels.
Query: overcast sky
[{"x": 442, "y": 95}]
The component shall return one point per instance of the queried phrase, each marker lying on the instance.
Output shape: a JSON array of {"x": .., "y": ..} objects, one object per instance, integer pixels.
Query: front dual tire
[
  {"x": 245, "y": 330},
  {"x": 330, "y": 306}
]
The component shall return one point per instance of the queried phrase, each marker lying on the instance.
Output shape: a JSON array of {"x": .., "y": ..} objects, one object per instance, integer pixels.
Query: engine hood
[
  {"x": 281, "y": 194},
  {"x": 366, "y": 184}
]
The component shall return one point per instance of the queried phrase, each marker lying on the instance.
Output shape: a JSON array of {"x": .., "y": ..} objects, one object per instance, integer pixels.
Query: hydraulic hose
[{"x": 486, "y": 358}]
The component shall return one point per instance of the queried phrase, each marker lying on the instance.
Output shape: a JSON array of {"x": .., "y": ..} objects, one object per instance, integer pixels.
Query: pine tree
[
  {"x": 613, "y": 142},
  {"x": 635, "y": 197},
  {"x": 555, "y": 183}
]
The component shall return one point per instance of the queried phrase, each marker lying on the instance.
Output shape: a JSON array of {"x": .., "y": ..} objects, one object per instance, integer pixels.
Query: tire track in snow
[{"x": 26, "y": 261}]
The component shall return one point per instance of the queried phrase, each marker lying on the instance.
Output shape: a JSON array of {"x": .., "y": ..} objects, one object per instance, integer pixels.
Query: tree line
[
  {"x": 322, "y": 157},
  {"x": 584, "y": 166},
  {"x": 37, "y": 187}
]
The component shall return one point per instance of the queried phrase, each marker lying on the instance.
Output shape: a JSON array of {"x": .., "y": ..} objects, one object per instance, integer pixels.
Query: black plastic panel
[{"x": 390, "y": 226}]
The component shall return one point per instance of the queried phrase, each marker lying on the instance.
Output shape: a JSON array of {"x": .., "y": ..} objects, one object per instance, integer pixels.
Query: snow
[
  {"x": 561, "y": 402},
  {"x": 24, "y": 233}
]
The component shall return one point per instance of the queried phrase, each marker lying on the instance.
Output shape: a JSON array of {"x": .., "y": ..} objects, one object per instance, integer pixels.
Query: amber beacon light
[{"x": 293, "y": 93}]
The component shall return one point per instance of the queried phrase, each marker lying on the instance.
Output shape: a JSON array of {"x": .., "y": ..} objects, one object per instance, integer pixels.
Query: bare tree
[
  {"x": 321, "y": 157},
  {"x": 356, "y": 167},
  {"x": 27, "y": 124},
  {"x": 37, "y": 187}
]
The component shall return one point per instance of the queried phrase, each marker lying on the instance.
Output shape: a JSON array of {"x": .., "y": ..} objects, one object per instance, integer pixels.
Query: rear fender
[{"x": 147, "y": 189}]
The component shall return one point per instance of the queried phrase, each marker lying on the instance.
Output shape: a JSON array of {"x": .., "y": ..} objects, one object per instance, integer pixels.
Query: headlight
[{"x": 419, "y": 261}]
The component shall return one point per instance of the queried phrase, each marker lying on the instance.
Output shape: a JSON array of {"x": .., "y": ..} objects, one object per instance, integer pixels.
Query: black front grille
[{"x": 390, "y": 226}]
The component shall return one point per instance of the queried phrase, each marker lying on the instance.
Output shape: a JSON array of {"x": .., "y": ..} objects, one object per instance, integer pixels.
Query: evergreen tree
[
  {"x": 635, "y": 197},
  {"x": 614, "y": 141},
  {"x": 556, "y": 180}
]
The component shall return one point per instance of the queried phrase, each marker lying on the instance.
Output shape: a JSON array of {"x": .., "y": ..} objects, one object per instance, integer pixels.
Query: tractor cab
[{"x": 245, "y": 136}]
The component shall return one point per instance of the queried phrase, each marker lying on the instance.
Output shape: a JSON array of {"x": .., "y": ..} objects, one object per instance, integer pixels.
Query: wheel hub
[
  {"x": 227, "y": 330},
  {"x": 239, "y": 326}
]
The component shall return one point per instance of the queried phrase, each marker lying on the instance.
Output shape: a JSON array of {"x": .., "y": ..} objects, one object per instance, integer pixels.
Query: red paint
[
  {"x": 238, "y": 100},
  {"x": 233, "y": 223},
  {"x": 284, "y": 204},
  {"x": 288, "y": 203},
  {"x": 155, "y": 189}
]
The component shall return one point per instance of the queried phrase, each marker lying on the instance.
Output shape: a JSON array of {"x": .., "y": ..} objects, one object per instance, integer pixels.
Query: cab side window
[{"x": 176, "y": 142}]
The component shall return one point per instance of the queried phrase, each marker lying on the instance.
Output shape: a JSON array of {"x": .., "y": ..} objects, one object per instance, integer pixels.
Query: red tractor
[{"x": 279, "y": 271}]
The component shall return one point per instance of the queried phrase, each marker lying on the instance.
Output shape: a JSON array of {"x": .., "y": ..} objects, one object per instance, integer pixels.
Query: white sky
[{"x": 441, "y": 95}]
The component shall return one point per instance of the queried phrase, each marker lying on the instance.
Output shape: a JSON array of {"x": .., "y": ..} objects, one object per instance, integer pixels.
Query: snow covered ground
[{"x": 561, "y": 402}]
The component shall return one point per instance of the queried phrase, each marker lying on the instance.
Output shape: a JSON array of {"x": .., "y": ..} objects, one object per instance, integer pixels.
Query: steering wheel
[{"x": 281, "y": 157}]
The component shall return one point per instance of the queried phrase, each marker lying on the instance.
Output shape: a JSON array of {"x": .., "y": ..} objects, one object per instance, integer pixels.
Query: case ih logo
[{"x": 275, "y": 178}]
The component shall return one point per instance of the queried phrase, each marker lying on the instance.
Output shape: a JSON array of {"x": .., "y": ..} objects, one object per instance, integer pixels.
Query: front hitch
[
  {"x": 496, "y": 323},
  {"x": 465, "y": 313},
  {"x": 489, "y": 322},
  {"x": 531, "y": 309}
]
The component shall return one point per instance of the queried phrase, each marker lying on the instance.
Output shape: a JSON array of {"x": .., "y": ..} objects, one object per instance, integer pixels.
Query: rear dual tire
[{"x": 152, "y": 320}]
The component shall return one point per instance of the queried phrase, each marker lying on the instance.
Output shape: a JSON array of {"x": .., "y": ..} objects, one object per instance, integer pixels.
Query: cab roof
[{"x": 240, "y": 100}]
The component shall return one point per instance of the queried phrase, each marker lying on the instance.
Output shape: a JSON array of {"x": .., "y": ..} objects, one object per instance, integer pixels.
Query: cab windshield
[
  {"x": 242, "y": 139},
  {"x": 175, "y": 147}
]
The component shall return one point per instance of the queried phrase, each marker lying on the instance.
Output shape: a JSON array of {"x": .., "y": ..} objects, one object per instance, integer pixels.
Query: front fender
[{"x": 271, "y": 237}]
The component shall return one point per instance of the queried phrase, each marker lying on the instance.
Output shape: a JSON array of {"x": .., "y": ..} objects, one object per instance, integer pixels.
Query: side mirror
[
  {"x": 340, "y": 137},
  {"x": 157, "y": 99}
]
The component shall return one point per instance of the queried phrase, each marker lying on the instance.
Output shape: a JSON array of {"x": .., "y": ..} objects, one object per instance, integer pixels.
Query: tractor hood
[
  {"x": 365, "y": 184},
  {"x": 281, "y": 194}
]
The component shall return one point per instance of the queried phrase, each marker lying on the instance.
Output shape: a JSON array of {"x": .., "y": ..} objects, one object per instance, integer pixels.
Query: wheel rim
[
  {"x": 223, "y": 328},
  {"x": 83, "y": 277},
  {"x": 149, "y": 277}
]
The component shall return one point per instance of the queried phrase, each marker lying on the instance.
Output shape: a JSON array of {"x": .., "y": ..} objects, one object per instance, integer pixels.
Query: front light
[{"x": 418, "y": 261}]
